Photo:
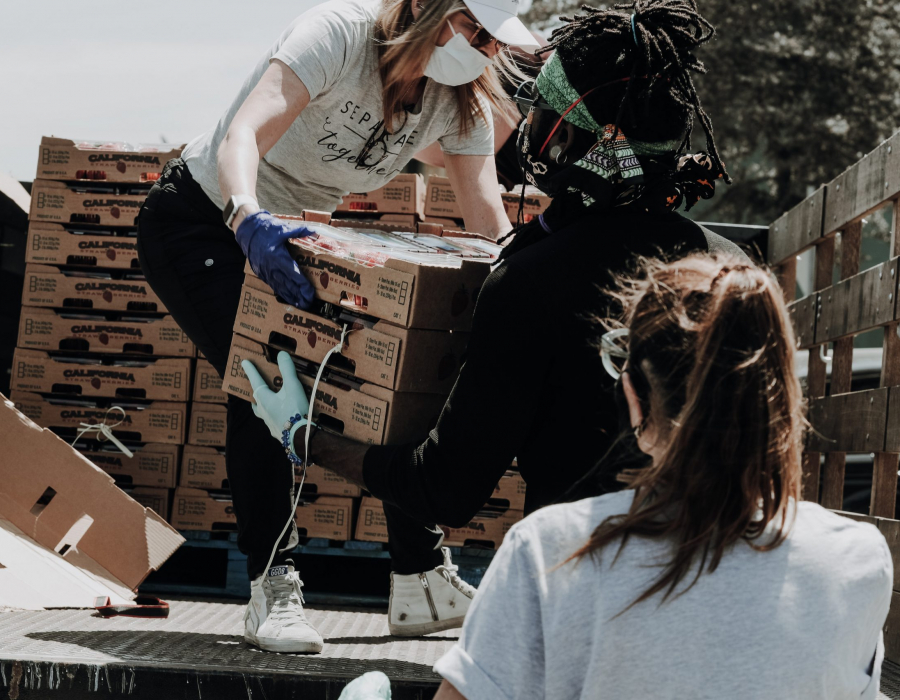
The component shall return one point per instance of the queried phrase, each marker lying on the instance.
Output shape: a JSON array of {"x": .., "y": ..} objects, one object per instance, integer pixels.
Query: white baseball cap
[{"x": 500, "y": 18}]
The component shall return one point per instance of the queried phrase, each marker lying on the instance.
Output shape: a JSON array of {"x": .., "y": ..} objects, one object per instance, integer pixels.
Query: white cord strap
[
  {"x": 312, "y": 400},
  {"x": 104, "y": 431}
]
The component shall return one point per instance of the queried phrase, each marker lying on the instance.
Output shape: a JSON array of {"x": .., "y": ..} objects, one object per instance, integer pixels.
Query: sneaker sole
[
  {"x": 425, "y": 627},
  {"x": 285, "y": 646}
]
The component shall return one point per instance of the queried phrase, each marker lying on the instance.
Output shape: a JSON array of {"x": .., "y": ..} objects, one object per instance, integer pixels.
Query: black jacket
[{"x": 532, "y": 386}]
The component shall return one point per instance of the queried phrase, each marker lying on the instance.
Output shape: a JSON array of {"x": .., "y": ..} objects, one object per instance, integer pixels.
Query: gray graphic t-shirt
[{"x": 314, "y": 164}]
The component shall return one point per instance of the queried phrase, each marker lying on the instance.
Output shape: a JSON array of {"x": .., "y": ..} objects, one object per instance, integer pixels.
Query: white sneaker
[
  {"x": 274, "y": 620},
  {"x": 433, "y": 601}
]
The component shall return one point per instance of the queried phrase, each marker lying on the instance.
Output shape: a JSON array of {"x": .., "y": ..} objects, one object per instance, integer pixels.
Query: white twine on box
[{"x": 104, "y": 431}]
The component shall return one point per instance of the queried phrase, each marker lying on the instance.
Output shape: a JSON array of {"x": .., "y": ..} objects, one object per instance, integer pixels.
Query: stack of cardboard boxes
[
  {"x": 95, "y": 344},
  {"x": 407, "y": 321}
]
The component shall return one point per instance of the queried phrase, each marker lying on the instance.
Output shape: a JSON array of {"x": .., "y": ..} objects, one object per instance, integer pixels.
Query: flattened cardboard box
[
  {"x": 69, "y": 329},
  {"x": 64, "y": 159},
  {"x": 53, "y": 244},
  {"x": 50, "y": 286},
  {"x": 155, "y": 499},
  {"x": 162, "y": 379},
  {"x": 405, "y": 194},
  {"x": 68, "y": 533},
  {"x": 153, "y": 464},
  {"x": 56, "y": 202},
  {"x": 382, "y": 353},
  {"x": 151, "y": 421},
  {"x": 204, "y": 468},
  {"x": 330, "y": 517},
  {"x": 208, "y": 384},
  {"x": 363, "y": 412},
  {"x": 208, "y": 422},
  {"x": 404, "y": 293}
]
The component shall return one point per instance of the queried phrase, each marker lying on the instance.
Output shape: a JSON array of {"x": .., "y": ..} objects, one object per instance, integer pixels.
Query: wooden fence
[{"x": 845, "y": 421}]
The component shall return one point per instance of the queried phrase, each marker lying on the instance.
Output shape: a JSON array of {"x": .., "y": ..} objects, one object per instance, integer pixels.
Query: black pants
[{"x": 191, "y": 260}]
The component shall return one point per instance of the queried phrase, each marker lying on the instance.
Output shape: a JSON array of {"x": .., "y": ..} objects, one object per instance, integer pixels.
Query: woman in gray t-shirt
[
  {"x": 708, "y": 577},
  {"x": 349, "y": 93}
]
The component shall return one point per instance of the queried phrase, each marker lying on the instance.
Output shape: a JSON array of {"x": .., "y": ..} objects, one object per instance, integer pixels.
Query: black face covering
[{"x": 555, "y": 172}]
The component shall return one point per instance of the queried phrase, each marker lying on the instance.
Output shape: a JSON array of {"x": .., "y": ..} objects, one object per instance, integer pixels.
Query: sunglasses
[
  {"x": 482, "y": 37},
  {"x": 527, "y": 96}
]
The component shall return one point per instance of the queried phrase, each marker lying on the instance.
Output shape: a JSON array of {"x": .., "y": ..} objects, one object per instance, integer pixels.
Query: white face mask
[{"x": 456, "y": 62}]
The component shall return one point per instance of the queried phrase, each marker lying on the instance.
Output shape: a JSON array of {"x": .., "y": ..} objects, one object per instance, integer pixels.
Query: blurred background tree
[{"x": 798, "y": 90}]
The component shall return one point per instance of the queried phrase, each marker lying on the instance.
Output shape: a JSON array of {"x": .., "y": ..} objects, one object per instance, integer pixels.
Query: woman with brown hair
[
  {"x": 707, "y": 577},
  {"x": 340, "y": 103}
]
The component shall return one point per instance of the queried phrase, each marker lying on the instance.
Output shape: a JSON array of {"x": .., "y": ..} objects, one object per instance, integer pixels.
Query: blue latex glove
[
  {"x": 277, "y": 407},
  {"x": 373, "y": 685},
  {"x": 263, "y": 239}
]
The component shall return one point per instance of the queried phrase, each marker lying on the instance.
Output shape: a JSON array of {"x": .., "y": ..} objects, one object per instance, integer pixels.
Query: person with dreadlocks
[{"x": 607, "y": 135}]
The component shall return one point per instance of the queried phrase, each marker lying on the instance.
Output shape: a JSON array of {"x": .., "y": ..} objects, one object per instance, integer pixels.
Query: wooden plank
[
  {"x": 884, "y": 484},
  {"x": 858, "y": 304},
  {"x": 803, "y": 318},
  {"x": 815, "y": 368},
  {"x": 797, "y": 229},
  {"x": 811, "y": 476},
  {"x": 833, "y": 480},
  {"x": 849, "y": 422},
  {"x": 864, "y": 186},
  {"x": 787, "y": 279}
]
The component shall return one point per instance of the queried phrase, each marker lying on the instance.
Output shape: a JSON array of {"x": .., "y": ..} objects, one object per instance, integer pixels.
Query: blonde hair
[
  {"x": 713, "y": 339},
  {"x": 404, "y": 48}
]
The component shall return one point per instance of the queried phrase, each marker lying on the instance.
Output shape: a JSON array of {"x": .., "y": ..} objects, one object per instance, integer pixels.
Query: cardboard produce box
[
  {"x": 405, "y": 194},
  {"x": 330, "y": 517},
  {"x": 115, "y": 290},
  {"x": 85, "y": 537},
  {"x": 363, "y": 412},
  {"x": 155, "y": 499},
  {"x": 208, "y": 423},
  {"x": 102, "y": 332},
  {"x": 489, "y": 532},
  {"x": 204, "y": 468},
  {"x": 482, "y": 531},
  {"x": 371, "y": 525},
  {"x": 54, "y": 244},
  {"x": 449, "y": 224},
  {"x": 152, "y": 464},
  {"x": 64, "y": 159},
  {"x": 208, "y": 384},
  {"x": 405, "y": 293},
  {"x": 536, "y": 203},
  {"x": 57, "y": 202},
  {"x": 165, "y": 379},
  {"x": 374, "y": 351},
  {"x": 440, "y": 199},
  {"x": 510, "y": 491},
  {"x": 144, "y": 421},
  {"x": 196, "y": 509}
]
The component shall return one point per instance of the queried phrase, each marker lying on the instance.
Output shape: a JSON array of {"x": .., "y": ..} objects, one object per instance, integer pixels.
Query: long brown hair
[
  {"x": 405, "y": 47},
  {"x": 713, "y": 340}
]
